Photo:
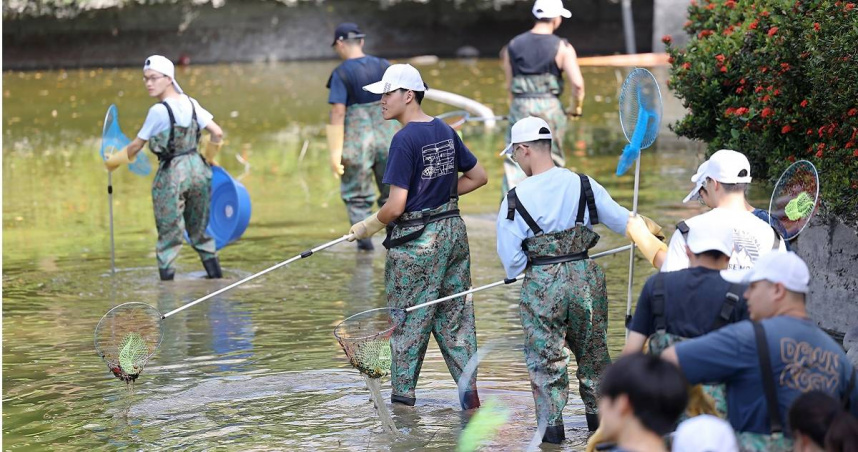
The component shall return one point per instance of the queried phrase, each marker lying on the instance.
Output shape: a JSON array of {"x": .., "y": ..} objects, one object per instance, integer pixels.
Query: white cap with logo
[
  {"x": 397, "y": 76},
  {"x": 710, "y": 236},
  {"x": 783, "y": 267},
  {"x": 526, "y": 130},
  {"x": 725, "y": 166},
  {"x": 549, "y": 9},
  {"x": 161, "y": 64}
]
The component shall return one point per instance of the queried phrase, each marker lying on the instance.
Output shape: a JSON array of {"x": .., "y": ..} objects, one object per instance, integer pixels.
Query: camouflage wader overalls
[
  {"x": 367, "y": 138},
  {"x": 536, "y": 95},
  {"x": 564, "y": 301},
  {"x": 181, "y": 192},
  {"x": 428, "y": 258}
]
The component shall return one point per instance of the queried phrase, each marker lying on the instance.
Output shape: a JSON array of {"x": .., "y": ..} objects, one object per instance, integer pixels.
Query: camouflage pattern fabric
[
  {"x": 435, "y": 265},
  {"x": 758, "y": 442},
  {"x": 181, "y": 194},
  {"x": 548, "y": 108},
  {"x": 367, "y": 138},
  {"x": 564, "y": 304},
  {"x": 716, "y": 394}
]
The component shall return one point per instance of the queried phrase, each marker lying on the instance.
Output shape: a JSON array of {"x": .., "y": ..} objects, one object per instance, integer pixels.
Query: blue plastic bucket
[{"x": 229, "y": 212}]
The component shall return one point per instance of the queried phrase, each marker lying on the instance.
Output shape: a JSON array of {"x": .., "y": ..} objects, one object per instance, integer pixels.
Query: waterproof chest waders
[
  {"x": 181, "y": 195},
  {"x": 564, "y": 301},
  {"x": 428, "y": 258}
]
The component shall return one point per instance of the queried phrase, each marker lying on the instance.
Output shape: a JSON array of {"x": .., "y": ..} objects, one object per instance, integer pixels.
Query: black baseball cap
[{"x": 347, "y": 30}]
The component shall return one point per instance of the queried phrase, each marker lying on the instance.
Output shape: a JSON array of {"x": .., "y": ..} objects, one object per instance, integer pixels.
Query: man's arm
[
  {"x": 507, "y": 71},
  {"x": 395, "y": 205},
  {"x": 338, "y": 114},
  {"x": 335, "y": 133},
  {"x": 634, "y": 343},
  {"x": 471, "y": 180},
  {"x": 568, "y": 61}
]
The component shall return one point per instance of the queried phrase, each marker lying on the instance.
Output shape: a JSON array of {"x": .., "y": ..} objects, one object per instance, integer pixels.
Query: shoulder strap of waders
[
  {"x": 846, "y": 400},
  {"x": 513, "y": 206},
  {"x": 683, "y": 229},
  {"x": 172, "y": 124},
  {"x": 768, "y": 377},
  {"x": 731, "y": 299},
  {"x": 194, "y": 120},
  {"x": 777, "y": 242},
  {"x": 586, "y": 198},
  {"x": 658, "y": 297}
]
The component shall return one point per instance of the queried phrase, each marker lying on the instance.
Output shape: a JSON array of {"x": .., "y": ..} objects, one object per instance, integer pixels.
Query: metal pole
[
  {"x": 632, "y": 252},
  {"x": 629, "y": 27},
  {"x": 110, "y": 204}
]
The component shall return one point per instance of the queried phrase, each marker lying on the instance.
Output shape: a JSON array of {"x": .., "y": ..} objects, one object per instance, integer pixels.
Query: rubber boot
[
  {"x": 365, "y": 245},
  {"x": 410, "y": 401},
  {"x": 592, "y": 421},
  {"x": 554, "y": 434},
  {"x": 470, "y": 400},
  {"x": 167, "y": 274},
  {"x": 212, "y": 266}
]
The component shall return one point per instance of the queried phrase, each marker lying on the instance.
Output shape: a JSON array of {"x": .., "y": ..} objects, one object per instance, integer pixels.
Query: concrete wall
[
  {"x": 668, "y": 18},
  {"x": 255, "y": 30}
]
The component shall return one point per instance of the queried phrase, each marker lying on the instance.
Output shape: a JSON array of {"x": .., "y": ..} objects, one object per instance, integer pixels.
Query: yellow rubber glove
[
  {"x": 211, "y": 151},
  {"x": 336, "y": 136},
  {"x": 638, "y": 232},
  {"x": 116, "y": 159},
  {"x": 654, "y": 228},
  {"x": 366, "y": 228}
]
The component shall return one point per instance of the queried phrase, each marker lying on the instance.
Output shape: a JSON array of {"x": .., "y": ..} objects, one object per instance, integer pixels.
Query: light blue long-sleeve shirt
[{"x": 551, "y": 198}]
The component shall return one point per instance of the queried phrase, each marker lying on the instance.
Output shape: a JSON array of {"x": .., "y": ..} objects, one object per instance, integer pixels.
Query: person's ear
[{"x": 623, "y": 404}]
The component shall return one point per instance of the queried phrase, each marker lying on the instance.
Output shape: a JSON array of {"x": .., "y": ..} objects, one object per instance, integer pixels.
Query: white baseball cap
[
  {"x": 710, "y": 236},
  {"x": 725, "y": 166},
  {"x": 704, "y": 433},
  {"x": 783, "y": 267},
  {"x": 397, "y": 76},
  {"x": 526, "y": 130},
  {"x": 161, "y": 64},
  {"x": 549, "y": 9}
]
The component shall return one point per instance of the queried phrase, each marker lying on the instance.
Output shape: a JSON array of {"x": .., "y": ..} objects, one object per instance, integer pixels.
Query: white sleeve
[
  {"x": 203, "y": 115},
  {"x": 611, "y": 214},
  {"x": 676, "y": 258},
  {"x": 157, "y": 120},
  {"x": 510, "y": 236}
]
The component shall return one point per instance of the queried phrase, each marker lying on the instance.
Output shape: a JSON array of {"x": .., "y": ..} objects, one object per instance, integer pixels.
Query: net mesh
[
  {"x": 113, "y": 140},
  {"x": 640, "y": 94},
  {"x": 795, "y": 198},
  {"x": 365, "y": 337},
  {"x": 126, "y": 337}
]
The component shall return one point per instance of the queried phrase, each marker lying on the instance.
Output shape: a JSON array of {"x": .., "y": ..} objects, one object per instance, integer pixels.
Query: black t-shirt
[{"x": 693, "y": 300}]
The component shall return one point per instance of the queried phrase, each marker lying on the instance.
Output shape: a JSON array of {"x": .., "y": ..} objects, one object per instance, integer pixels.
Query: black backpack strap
[
  {"x": 513, "y": 205},
  {"x": 731, "y": 300},
  {"x": 846, "y": 400},
  {"x": 658, "y": 298},
  {"x": 683, "y": 229},
  {"x": 777, "y": 242},
  {"x": 172, "y": 124},
  {"x": 768, "y": 377},
  {"x": 586, "y": 198}
]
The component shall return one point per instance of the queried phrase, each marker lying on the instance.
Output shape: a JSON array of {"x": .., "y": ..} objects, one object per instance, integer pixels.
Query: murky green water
[{"x": 257, "y": 367}]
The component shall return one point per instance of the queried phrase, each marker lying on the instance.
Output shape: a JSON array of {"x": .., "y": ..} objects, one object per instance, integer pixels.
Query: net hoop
[
  {"x": 114, "y": 328},
  {"x": 455, "y": 118},
  {"x": 364, "y": 335},
  {"x": 799, "y": 180},
  {"x": 640, "y": 90}
]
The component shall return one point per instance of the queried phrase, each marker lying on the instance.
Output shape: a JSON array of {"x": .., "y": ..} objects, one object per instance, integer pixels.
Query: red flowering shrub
[{"x": 781, "y": 68}]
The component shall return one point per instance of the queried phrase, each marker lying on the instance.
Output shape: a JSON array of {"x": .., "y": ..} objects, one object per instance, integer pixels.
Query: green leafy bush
[{"x": 778, "y": 81}]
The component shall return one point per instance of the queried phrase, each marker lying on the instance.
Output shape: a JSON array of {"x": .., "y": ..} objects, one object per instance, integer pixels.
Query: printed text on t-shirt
[{"x": 809, "y": 368}]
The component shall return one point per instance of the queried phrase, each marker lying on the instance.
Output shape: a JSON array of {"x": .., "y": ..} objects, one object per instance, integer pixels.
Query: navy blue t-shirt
[
  {"x": 423, "y": 159},
  {"x": 764, "y": 215},
  {"x": 804, "y": 358},
  {"x": 693, "y": 298},
  {"x": 349, "y": 78}
]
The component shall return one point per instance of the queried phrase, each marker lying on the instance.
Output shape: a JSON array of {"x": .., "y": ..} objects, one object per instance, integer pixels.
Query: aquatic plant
[{"x": 778, "y": 81}]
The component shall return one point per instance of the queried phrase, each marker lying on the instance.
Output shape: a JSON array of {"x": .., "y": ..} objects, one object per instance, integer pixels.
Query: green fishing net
[
  {"x": 365, "y": 338},
  {"x": 126, "y": 337},
  {"x": 799, "y": 207}
]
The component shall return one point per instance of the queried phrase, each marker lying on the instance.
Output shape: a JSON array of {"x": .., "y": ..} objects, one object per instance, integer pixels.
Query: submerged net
[
  {"x": 794, "y": 199},
  {"x": 365, "y": 337},
  {"x": 126, "y": 337}
]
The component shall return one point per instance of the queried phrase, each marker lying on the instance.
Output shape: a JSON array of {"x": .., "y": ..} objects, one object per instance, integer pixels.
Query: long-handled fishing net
[
  {"x": 130, "y": 333},
  {"x": 640, "y": 117},
  {"x": 795, "y": 199},
  {"x": 455, "y": 119},
  {"x": 113, "y": 140}
]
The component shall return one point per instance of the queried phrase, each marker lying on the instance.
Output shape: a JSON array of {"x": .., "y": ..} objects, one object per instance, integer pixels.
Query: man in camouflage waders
[
  {"x": 358, "y": 136},
  {"x": 428, "y": 255},
  {"x": 544, "y": 228},
  {"x": 534, "y": 63},
  {"x": 181, "y": 191}
]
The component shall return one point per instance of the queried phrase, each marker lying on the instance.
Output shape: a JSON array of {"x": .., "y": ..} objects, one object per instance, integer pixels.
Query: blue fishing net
[
  {"x": 113, "y": 140},
  {"x": 640, "y": 115}
]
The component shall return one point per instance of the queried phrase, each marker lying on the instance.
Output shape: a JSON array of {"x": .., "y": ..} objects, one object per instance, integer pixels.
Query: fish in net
[
  {"x": 127, "y": 337},
  {"x": 365, "y": 337}
]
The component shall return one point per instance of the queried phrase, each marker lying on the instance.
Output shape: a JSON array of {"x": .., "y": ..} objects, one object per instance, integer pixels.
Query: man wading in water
[
  {"x": 358, "y": 135},
  {"x": 181, "y": 191},
  {"x": 428, "y": 255},
  {"x": 544, "y": 227},
  {"x": 534, "y": 63}
]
